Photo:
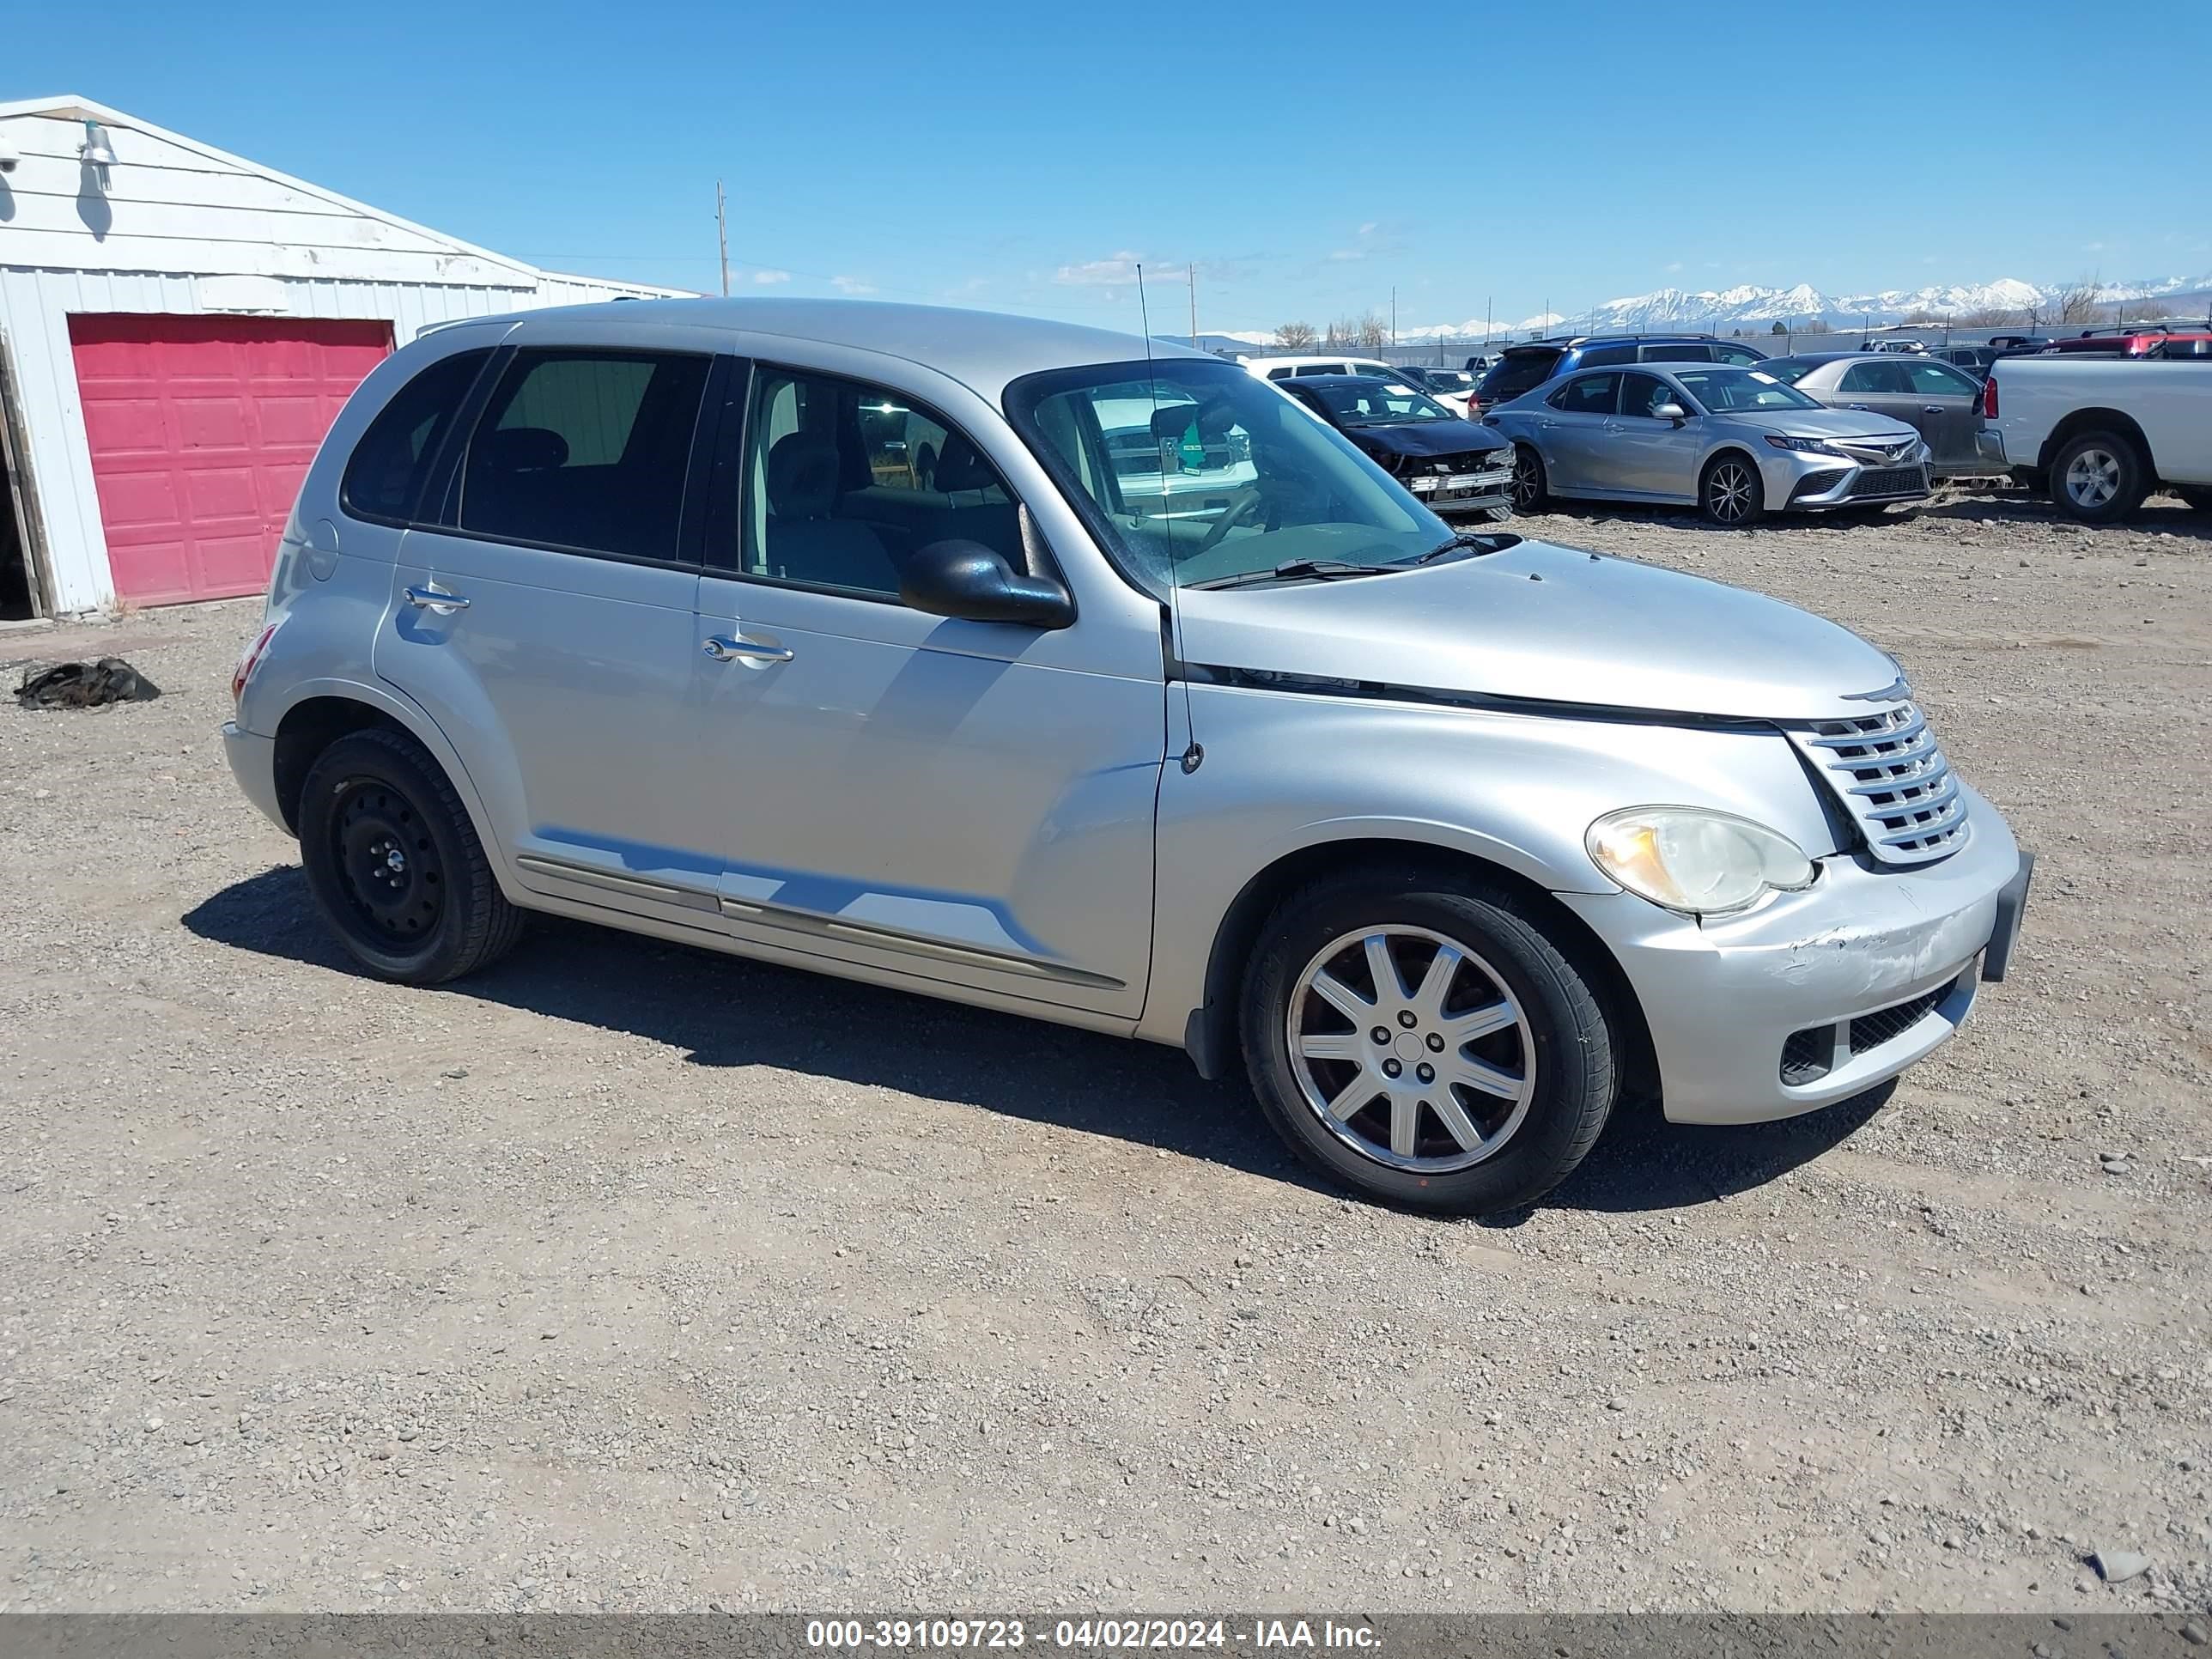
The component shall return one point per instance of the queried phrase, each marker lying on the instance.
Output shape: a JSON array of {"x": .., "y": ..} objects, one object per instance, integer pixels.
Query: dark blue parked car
[{"x": 1521, "y": 368}]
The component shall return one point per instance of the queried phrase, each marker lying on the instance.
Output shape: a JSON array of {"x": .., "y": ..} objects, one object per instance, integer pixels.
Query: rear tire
[
  {"x": 1731, "y": 494},
  {"x": 2097, "y": 478},
  {"x": 1530, "y": 491},
  {"x": 395, "y": 866},
  {"x": 1540, "y": 1056}
]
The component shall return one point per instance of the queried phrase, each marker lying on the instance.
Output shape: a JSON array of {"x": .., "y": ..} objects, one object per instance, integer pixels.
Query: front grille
[
  {"x": 1810, "y": 1055},
  {"x": 1805, "y": 1055},
  {"x": 1889, "y": 480},
  {"x": 1893, "y": 779},
  {"x": 1872, "y": 1031}
]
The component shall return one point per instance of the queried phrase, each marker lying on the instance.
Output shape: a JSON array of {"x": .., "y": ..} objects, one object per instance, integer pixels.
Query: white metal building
[{"x": 177, "y": 328}]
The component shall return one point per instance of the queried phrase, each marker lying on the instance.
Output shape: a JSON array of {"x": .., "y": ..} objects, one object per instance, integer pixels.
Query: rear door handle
[
  {"x": 722, "y": 648},
  {"x": 435, "y": 600},
  {"x": 1931, "y": 409}
]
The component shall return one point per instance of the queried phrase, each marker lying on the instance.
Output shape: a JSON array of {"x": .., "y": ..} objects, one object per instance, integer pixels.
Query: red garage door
[{"x": 202, "y": 428}]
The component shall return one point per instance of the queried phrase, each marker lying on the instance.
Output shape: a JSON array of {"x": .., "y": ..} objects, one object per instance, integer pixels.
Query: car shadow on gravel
[{"x": 726, "y": 1011}]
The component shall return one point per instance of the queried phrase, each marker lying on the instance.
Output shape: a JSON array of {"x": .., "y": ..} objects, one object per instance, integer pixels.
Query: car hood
[
  {"x": 1424, "y": 438},
  {"x": 1547, "y": 624},
  {"x": 1823, "y": 423}
]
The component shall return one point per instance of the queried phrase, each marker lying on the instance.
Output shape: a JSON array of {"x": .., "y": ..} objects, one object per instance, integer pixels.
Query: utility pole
[
  {"x": 1191, "y": 271},
  {"x": 1393, "y": 315},
  {"x": 722, "y": 234}
]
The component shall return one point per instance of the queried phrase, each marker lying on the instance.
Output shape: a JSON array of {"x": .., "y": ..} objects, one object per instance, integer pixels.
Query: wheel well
[
  {"x": 306, "y": 730},
  {"x": 2098, "y": 420},
  {"x": 1723, "y": 453},
  {"x": 1211, "y": 1034}
]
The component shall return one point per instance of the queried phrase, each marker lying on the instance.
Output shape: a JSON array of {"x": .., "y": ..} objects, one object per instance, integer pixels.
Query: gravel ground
[{"x": 625, "y": 1277}]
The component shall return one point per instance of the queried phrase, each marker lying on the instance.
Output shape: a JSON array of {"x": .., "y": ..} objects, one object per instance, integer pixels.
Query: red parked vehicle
[{"x": 2147, "y": 340}]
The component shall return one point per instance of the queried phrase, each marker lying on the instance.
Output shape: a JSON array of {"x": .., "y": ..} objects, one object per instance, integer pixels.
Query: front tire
[
  {"x": 1732, "y": 493},
  {"x": 395, "y": 866},
  {"x": 2097, "y": 478},
  {"x": 1504, "y": 1062}
]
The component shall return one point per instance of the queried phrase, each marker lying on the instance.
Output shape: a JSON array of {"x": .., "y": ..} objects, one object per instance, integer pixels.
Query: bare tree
[
  {"x": 1294, "y": 336},
  {"x": 1816, "y": 326},
  {"x": 1990, "y": 317},
  {"x": 1343, "y": 332},
  {"x": 2076, "y": 303},
  {"x": 1374, "y": 332}
]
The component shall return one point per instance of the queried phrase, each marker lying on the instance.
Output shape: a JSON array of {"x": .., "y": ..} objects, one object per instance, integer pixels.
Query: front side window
[
  {"x": 1643, "y": 396},
  {"x": 845, "y": 481},
  {"x": 1731, "y": 391},
  {"x": 584, "y": 449},
  {"x": 1592, "y": 394},
  {"x": 1192, "y": 473},
  {"x": 384, "y": 475}
]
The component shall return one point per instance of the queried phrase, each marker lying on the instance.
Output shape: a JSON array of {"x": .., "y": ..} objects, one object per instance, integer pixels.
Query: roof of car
[{"x": 983, "y": 349}]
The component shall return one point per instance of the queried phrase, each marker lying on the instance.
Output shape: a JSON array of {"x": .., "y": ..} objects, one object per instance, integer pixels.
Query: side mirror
[
  {"x": 970, "y": 581},
  {"x": 1671, "y": 411}
]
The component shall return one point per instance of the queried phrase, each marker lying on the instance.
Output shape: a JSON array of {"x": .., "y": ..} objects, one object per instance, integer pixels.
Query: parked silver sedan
[
  {"x": 1736, "y": 442},
  {"x": 1941, "y": 403}
]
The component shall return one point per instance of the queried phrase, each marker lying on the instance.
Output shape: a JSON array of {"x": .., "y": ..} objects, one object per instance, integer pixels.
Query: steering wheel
[{"x": 1248, "y": 500}]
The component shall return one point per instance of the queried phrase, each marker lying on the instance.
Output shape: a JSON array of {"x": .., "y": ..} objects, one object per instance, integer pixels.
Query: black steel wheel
[{"x": 395, "y": 865}]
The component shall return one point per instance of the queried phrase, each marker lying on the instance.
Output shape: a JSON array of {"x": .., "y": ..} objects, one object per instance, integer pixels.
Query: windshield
[
  {"x": 1196, "y": 471},
  {"x": 1517, "y": 371},
  {"x": 1376, "y": 403},
  {"x": 1727, "y": 391}
]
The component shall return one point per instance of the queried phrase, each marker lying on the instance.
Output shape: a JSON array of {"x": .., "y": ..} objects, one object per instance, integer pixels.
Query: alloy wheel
[
  {"x": 1411, "y": 1049},
  {"x": 2092, "y": 478},
  {"x": 1526, "y": 487},
  {"x": 387, "y": 863},
  {"x": 1728, "y": 492}
]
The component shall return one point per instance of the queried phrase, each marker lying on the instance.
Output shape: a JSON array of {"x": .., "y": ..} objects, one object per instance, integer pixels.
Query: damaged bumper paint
[{"x": 1724, "y": 998}]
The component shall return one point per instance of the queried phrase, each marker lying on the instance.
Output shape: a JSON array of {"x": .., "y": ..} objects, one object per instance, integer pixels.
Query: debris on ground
[{"x": 85, "y": 685}]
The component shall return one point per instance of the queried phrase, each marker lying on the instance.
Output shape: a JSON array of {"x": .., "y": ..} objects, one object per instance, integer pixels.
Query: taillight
[
  {"x": 251, "y": 660},
  {"x": 1990, "y": 396}
]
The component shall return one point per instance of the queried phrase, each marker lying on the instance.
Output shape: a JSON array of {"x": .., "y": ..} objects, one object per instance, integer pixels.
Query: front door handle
[
  {"x": 722, "y": 648},
  {"x": 435, "y": 600}
]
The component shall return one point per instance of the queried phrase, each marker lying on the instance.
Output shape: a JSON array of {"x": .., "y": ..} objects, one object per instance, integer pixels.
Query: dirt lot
[{"x": 626, "y": 1277}]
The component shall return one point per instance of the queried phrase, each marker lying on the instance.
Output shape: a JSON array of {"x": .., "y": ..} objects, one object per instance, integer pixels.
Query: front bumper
[
  {"x": 1798, "y": 483},
  {"x": 1460, "y": 492},
  {"x": 253, "y": 763},
  {"x": 1724, "y": 999}
]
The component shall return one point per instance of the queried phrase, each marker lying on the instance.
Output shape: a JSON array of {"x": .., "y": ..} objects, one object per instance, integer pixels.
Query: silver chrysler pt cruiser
[{"x": 1024, "y": 665}]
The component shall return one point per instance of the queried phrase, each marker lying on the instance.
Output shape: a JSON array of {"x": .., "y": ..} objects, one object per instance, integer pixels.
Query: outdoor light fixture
[{"x": 95, "y": 149}]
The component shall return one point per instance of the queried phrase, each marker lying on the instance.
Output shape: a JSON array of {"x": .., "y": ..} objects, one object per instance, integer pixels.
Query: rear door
[
  {"x": 1948, "y": 401},
  {"x": 1571, "y": 432},
  {"x": 546, "y": 621}
]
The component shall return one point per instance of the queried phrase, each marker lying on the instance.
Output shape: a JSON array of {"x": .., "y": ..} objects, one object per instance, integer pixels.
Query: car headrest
[
  {"x": 802, "y": 476},
  {"x": 522, "y": 449},
  {"x": 962, "y": 467}
]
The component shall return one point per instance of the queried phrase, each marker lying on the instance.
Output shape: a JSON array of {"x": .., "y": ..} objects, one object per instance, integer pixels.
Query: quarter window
[
  {"x": 384, "y": 476},
  {"x": 584, "y": 449},
  {"x": 1590, "y": 394},
  {"x": 845, "y": 481}
]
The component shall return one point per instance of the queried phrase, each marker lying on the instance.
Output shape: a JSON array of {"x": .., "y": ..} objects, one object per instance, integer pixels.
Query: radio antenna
[{"x": 1191, "y": 754}]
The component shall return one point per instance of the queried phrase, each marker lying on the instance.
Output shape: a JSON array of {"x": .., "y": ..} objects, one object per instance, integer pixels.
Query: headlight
[
  {"x": 1691, "y": 859},
  {"x": 1806, "y": 445}
]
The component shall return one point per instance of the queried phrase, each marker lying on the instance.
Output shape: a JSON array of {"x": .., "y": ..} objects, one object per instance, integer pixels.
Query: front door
[
  {"x": 545, "y": 619},
  {"x": 965, "y": 803},
  {"x": 1655, "y": 457}
]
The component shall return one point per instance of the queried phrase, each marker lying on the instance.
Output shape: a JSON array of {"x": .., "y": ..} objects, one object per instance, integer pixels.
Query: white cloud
[
  {"x": 1367, "y": 229},
  {"x": 1119, "y": 271},
  {"x": 767, "y": 276},
  {"x": 1677, "y": 266},
  {"x": 1340, "y": 255},
  {"x": 852, "y": 285},
  {"x": 2093, "y": 247}
]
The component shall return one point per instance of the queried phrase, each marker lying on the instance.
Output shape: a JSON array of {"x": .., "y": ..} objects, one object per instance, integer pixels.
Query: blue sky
[{"x": 1306, "y": 156}]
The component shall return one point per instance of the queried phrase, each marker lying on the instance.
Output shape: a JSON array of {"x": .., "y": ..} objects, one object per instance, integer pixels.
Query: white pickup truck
[{"x": 2099, "y": 434}]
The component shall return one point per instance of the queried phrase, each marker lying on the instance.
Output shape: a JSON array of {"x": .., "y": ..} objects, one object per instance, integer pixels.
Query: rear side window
[
  {"x": 1592, "y": 394},
  {"x": 1678, "y": 354},
  {"x": 584, "y": 449},
  {"x": 1517, "y": 371},
  {"x": 1878, "y": 378},
  {"x": 1598, "y": 356},
  {"x": 383, "y": 476},
  {"x": 1742, "y": 356}
]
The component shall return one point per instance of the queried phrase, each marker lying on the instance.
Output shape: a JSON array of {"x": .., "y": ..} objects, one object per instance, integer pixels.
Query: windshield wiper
[
  {"x": 1497, "y": 542},
  {"x": 1292, "y": 570}
]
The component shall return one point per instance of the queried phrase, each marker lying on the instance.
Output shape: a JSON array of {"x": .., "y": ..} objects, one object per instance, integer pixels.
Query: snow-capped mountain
[{"x": 1721, "y": 309}]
